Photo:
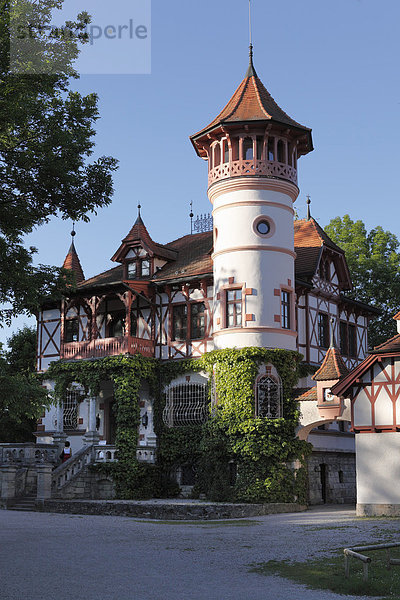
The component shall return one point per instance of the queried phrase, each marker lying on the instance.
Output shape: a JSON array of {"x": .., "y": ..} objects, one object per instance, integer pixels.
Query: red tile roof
[
  {"x": 332, "y": 367},
  {"x": 73, "y": 263},
  {"x": 308, "y": 395},
  {"x": 252, "y": 102},
  {"x": 194, "y": 257},
  {"x": 114, "y": 275},
  {"x": 139, "y": 233},
  {"x": 192, "y": 254},
  {"x": 391, "y": 345}
]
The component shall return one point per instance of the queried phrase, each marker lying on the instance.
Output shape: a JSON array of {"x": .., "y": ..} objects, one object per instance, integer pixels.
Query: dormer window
[
  {"x": 145, "y": 268},
  {"x": 136, "y": 269},
  {"x": 132, "y": 270}
]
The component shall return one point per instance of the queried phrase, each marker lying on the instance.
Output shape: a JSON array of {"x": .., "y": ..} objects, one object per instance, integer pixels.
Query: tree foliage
[
  {"x": 46, "y": 141},
  {"x": 22, "y": 396},
  {"x": 374, "y": 262}
]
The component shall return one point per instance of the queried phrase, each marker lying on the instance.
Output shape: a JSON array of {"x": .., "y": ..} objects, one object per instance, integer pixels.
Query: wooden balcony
[{"x": 107, "y": 347}]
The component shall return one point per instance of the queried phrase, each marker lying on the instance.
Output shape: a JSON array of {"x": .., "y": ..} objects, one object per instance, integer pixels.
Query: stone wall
[
  {"x": 332, "y": 477},
  {"x": 173, "y": 510},
  {"x": 87, "y": 485}
]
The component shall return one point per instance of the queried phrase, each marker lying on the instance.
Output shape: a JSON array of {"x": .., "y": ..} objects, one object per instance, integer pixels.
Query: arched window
[
  {"x": 281, "y": 151},
  {"x": 186, "y": 404},
  {"x": 268, "y": 397},
  {"x": 217, "y": 155},
  {"x": 271, "y": 148},
  {"x": 290, "y": 155},
  {"x": 235, "y": 148},
  {"x": 248, "y": 149},
  {"x": 70, "y": 409},
  {"x": 260, "y": 146},
  {"x": 226, "y": 151}
]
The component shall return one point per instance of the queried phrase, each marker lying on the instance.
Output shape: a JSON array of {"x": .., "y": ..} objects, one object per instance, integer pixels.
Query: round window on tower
[{"x": 264, "y": 226}]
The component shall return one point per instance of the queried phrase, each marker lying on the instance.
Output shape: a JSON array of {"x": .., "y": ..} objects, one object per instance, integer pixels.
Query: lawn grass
[{"x": 328, "y": 574}]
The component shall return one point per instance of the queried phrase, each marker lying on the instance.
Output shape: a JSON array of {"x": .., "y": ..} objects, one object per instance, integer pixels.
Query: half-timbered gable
[
  {"x": 374, "y": 390},
  {"x": 160, "y": 300},
  {"x": 322, "y": 280}
]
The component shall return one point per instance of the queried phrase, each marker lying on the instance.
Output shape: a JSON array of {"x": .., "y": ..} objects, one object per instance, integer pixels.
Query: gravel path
[{"x": 71, "y": 557}]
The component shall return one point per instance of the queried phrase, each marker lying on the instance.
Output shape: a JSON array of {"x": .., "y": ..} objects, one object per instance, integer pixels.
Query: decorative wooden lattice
[
  {"x": 269, "y": 397},
  {"x": 186, "y": 404}
]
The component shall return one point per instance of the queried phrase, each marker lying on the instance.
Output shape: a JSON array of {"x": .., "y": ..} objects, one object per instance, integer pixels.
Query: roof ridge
[
  {"x": 256, "y": 80},
  {"x": 386, "y": 341}
]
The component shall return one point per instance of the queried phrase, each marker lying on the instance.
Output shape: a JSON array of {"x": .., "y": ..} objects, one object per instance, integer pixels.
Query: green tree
[
  {"x": 374, "y": 262},
  {"x": 46, "y": 140},
  {"x": 22, "y": 397}
]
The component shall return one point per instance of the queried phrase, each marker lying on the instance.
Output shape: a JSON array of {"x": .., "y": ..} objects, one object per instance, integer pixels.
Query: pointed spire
[
  {"x": 72, "y": 261},
  {"x": 251, "y": 72},
  {"x": 333, "y": 366}
]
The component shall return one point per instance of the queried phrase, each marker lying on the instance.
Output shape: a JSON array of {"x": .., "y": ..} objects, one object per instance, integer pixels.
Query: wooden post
[
  {"x": 346, "y": 566},
  {"x": 365, "y": 571}
]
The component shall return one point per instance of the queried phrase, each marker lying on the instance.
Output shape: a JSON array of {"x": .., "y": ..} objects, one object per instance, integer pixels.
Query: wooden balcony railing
[{"x": 107, "y": 347}]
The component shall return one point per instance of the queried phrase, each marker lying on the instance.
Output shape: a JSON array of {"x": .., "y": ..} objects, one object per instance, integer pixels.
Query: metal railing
[{"x": 366, "y": 560}]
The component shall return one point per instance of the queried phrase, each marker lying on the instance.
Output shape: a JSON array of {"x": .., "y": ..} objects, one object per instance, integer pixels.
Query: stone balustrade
[
  {"x": 28, "y": 454},
  {"x": 63, "y": 474},
  {"x": 146, "y": 454},
  {"x": 104, "y": 453}
]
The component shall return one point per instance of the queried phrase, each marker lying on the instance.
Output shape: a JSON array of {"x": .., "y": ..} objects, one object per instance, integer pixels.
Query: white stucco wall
[
  {"x": 260, "y": 263},
  {"x": 378, "y": 468}
]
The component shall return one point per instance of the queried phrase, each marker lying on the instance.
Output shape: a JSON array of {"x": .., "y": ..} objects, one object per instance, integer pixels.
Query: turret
[
  {"x": 72, "y": 262},
  {"x": 252, "y": 148}
]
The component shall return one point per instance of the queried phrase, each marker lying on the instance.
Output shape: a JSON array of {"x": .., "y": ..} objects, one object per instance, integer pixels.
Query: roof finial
[
  {"x": 250, "y": 32},
  {"x": 308, "y": 207},
  {"x": 139, "y": 206},
  {"x": 73, "y": 232},
  {"x": 251, "y": 70},
  {"x": 191, "y": 215},
  {"x": 332, "y": 335}
]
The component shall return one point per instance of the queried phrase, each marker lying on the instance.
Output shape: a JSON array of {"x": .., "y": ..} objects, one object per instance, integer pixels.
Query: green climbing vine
[
  {"x": 235, "y": 455},
  {"x": 126, "y": 374}
]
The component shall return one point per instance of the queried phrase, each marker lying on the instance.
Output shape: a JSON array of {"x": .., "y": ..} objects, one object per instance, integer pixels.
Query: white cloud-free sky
[{"x": 332, "y": 66}]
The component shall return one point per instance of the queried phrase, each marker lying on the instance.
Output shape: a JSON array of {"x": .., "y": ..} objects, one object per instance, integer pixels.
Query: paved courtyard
[{"x": 64, "y": 557}]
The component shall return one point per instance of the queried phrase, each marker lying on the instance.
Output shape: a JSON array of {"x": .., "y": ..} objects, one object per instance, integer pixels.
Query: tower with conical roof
[
  {"x": 72, "y": 262},
  {"x": 252, "y": 148}
]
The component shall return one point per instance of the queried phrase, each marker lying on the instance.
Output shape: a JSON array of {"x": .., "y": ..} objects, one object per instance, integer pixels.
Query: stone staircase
[{"x": 24, "y": 503}]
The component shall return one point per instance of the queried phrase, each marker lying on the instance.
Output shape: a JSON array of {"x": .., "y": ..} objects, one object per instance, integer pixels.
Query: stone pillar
[
  {"x": 8, "y": 476},
  {"x": 59, "y": 436},
  {"x": 44, "y": 472},
  {"x": 91, "y": 436}
]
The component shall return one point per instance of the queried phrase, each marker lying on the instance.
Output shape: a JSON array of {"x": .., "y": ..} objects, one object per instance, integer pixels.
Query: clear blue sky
[{"x": 332, "y": 66}]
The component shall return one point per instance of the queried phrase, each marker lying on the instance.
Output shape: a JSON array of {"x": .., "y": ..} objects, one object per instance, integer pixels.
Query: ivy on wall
[
  {"x": 126, "y": 373},
  {"x": 236, "y": 456}
]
